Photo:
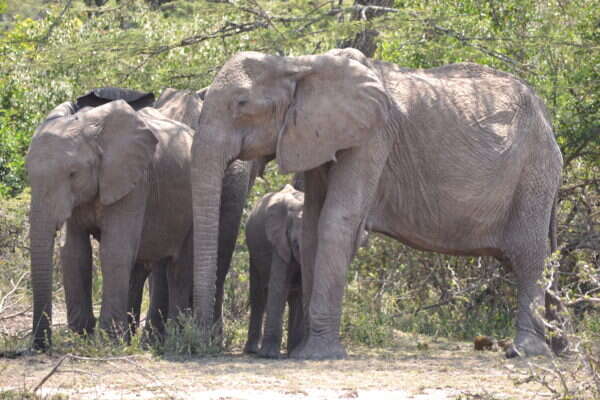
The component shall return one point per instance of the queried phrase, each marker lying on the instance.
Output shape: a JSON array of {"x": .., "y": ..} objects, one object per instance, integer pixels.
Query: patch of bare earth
[{"x": 441, "y": 369}]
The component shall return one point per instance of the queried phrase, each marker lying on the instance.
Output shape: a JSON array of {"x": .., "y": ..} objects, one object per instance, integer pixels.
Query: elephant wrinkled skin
[
  {"x": 459, "y": 159},
  {"x": 273, "y": 237}
]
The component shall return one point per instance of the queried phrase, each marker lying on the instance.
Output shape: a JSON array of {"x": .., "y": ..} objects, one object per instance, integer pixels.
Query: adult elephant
[
  {"x": 459, "y": 159},
  {"x": 185, "y": 106},
  {"x": 122, "y": 176}
]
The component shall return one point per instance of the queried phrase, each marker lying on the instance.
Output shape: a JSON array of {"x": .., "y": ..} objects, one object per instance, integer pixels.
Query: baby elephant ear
[
  {"x": 276, "y": 229},
  {"x": 340, "y": 104},
  {"x": 128, "y": 146}
]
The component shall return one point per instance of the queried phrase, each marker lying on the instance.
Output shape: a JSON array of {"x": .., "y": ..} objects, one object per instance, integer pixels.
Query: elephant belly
[{"x": 456, "y": 229}]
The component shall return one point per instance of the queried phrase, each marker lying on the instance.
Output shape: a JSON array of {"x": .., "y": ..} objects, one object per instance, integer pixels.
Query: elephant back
[
  {"x": 99, "y": 96},
  {"x": 181, "y": 105}
]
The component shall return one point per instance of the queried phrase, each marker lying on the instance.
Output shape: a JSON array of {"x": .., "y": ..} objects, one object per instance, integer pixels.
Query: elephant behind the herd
[{"x": 459, "y": 159}]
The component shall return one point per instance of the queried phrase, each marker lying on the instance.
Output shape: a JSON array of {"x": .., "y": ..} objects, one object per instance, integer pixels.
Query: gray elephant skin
[
  {"x": 122, "y": 176},
  {"x": 273, "y": 237},
  {"x": 459, "y": 159}
]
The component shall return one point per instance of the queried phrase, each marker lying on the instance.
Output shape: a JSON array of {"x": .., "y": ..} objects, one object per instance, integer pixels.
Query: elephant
[
  {"x": 238, "y": 179},
  {"x": 122, "y": 176},
  {"x": 273, "y": 237},
  {"x": 459, "y": 159}
]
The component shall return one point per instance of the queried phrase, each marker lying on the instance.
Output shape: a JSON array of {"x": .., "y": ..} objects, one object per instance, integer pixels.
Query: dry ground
[{"x": 412, "y": 367}]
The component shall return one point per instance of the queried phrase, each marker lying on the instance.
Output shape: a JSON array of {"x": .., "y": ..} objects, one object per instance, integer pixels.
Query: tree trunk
[{"x": 365, "y": 41}]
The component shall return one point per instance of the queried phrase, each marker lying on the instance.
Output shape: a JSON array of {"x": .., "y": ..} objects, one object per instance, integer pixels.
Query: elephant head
[
  {"x": 301, "y": 110},
  {"x": 96, "y": 157},
  {"x": 283, "y": 225}
]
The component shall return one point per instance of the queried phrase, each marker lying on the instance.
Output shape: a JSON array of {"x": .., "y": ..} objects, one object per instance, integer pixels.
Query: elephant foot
[
  {"x": 528, "y": 345},
  {"x": 84, "y": 326},
  {"x": 319, "y": 348},
  {"x": 269, "y": 349},
  {"x": 251, "y": 348},
  {"x": 41, "y": 343}
]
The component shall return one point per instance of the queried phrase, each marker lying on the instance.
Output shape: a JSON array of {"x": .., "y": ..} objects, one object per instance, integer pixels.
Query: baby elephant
[{"x": 273, "y": 234}]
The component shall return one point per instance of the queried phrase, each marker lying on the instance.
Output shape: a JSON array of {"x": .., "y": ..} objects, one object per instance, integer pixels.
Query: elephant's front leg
[
  {"x": 76, "y": 257},
  {"x": 121, "y": 231},
  {"x": 315, "y": 182},
  {"x": 257, "y": 302},
  {"x": 352, "y": 184},
  {"x": 277, "y": 294}
]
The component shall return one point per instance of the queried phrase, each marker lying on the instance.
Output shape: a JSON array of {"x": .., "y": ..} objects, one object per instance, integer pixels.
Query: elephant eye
[{"x": 242, "y": 103}]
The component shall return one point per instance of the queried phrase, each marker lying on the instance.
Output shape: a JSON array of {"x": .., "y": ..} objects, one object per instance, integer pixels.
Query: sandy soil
[{"x": 413, "y": 367}]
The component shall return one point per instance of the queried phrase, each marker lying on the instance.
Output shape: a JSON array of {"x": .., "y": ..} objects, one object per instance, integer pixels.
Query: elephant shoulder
[{"x": 181, "y": 105}]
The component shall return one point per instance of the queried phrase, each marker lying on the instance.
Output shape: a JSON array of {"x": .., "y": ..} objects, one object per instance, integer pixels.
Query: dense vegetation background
[{"x": 53, "y": 51}]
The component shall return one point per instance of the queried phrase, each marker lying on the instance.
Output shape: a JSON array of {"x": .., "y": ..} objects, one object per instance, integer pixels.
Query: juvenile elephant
[
  {"x": 459, "y": 159},
  {"x": 124, "y": 177},
  {"x": 273, "y": 237}
]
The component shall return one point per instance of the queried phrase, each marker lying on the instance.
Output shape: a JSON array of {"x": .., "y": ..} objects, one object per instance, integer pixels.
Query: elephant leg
[
  {"x": 278, "y": 289},
  {"x": 295, "y": 319},
  {"x": 136, "y": 293},
  {"x": 180, "y": 279},
  {"x": 121, "y": 231},
  {"x": 257, "y": 307},
  {"x": 76, "y": 257},
  {"x": 526, "y": 249},
  {"x": 351, "y": 186},
  {"x": 315, "y": 182},
  {"x": 233, "y": 199},
  {"x": 528, "y": 266},
  {"x": 159, "y": 299}
]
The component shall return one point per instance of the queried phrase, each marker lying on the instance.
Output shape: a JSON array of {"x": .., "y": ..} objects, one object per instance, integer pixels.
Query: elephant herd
[{"x": 459, "y": 159}]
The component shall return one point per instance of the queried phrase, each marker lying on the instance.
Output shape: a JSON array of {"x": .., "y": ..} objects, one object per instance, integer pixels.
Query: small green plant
[
  {"x": 100, "y": 344},
  {"x": 182, "y": 338}
]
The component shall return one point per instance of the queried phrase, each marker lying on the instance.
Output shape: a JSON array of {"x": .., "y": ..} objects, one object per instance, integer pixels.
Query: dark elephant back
[{"x": 99, "y": 96}]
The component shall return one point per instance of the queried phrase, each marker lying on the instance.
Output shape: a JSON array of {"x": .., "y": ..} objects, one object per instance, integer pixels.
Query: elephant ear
[
  {"x": 339, "y": 104},
  {"x": 276, "y": 228},
  {"x": 202, "y": 93},
  {"x": 128, "y": 146}
]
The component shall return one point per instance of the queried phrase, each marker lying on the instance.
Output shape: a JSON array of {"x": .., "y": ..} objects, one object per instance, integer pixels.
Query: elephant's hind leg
[
  {"x": 526, "y": 250},
  {"x": 136, "y": 293},
  {"x": 159, "y": 300},
  {"x": 530, "y": 340},
  {"x": 180, "y": 278}
]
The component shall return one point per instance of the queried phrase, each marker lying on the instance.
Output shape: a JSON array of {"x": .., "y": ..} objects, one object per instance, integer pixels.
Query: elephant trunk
[
  {"x": 211, "y": 156},
  {"x": 42, "y": 230}
]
